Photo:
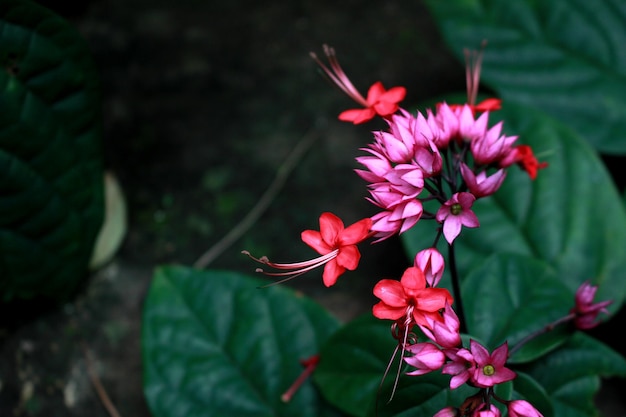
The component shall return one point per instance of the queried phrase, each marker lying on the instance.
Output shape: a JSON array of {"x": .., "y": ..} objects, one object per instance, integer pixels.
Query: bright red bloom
[
  {"x": 379, "y": 101},
  {"x": 336, "y": 244},
  {"x": 411, "y": 298},
  {"x": 524, "y": 157}
]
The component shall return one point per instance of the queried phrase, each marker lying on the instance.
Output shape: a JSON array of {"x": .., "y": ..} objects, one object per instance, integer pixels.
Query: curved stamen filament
[
  {"x": 338, "y": 76},
  {"x": 292, "y": 270}
]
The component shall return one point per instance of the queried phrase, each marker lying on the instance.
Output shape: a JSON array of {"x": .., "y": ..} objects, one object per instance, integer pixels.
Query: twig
[
  {"x": 95, "y": 381},
  {"x": 268, "y": 196}
]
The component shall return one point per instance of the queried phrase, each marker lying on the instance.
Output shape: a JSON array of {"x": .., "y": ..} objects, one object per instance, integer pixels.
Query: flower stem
[
  {"x": 456, "y": 288},
  {"x": 545, "y": 329}
]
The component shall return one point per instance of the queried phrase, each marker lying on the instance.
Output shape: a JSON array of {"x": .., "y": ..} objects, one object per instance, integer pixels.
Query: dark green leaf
[
  {"x": 214, "y": 344},
  {"x": 51, "y": 192},
  {"x": 570, "y": 374},
  {"x": 512, "y": 296},
  {"x": 564, "y": 57}
]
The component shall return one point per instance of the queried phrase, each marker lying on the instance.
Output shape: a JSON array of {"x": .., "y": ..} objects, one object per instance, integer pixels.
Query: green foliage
[
  {"x": 51, "y": 187},
  {"x": 215, "y": 344},
  {"x": 563, "y": 57}
]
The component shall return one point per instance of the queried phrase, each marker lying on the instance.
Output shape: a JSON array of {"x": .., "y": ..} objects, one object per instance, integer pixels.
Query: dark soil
[{"x": 202, "y": 103}]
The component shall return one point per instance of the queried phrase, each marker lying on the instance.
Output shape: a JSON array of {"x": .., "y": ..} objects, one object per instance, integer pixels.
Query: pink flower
[
  {"x": 336, "y": 244},
  {"x": 426, "y": 358},
  {"x": 447, "y": 412},
  {"x": 585, "y": 310},
  {"x": 490, "y": 369},
  {"x": 410, "y": 298},
  {"x": 457, "y": 123},
  {"x": 456, "y": 212},
  {"x": 379, "y": 101},
  {"x": 446, "y": 334},
  {"x": 492, "y": 146},
  {"x": 431, "y": 262},
  {"x": 462, "y": 362},
  {"x": 522, "y": 408},
  {"x": 482, "y": 185},
  {"x": 491, "y": 411}
]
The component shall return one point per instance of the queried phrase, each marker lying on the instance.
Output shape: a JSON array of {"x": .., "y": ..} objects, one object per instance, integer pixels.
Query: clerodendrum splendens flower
[
  {"x": 456, "y": 212},
  {"x": 411, "y": 298},
  {"x": 336, "y": 244},
  {"x": 379, "y": 101},
  {"x": 585, "y": 310}
]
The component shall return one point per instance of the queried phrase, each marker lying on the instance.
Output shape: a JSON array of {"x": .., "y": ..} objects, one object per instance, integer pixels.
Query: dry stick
[
  {"x": 268, "y": 196},
  {"x": 95, "y": 381}
]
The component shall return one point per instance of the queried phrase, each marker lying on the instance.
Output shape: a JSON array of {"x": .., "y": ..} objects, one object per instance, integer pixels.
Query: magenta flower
[
  {"x": 456, "y": 212},
  {"x": 522, "y": 408},
  {"x": 585, "y": 310},
  {"x": 446, "y": 334},
  {"x": 447, "y": 412},
  {"x": 462, "y": 362},
  {"x": 491, "y": 411},
  {"x": 490, "y": 369},
  {"x": 492, "y": 146},
  {"x": 426, "y": 358},
  {"x": 431, "y": 262},
  {"x": 410, "y": 297},
  {"x": 482, "y": 185}
]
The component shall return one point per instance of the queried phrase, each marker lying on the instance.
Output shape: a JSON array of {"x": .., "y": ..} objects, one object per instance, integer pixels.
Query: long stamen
[
  {"x": 338, "y": 76},
  {"x": 473, "y": 64},
  {"x": 291, "y": 270}
]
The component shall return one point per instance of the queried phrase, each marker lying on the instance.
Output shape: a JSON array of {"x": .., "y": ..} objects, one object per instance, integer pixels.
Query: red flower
[
  {"x": 524, "y": 157},
  {"x": 410, "y": 298},
  {"x": 336, "y": 244},
  {"x": 379, "y": 102}
]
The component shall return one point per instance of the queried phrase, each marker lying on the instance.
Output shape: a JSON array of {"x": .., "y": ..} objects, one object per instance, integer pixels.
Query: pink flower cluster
[{"x": 451, "y": 156}]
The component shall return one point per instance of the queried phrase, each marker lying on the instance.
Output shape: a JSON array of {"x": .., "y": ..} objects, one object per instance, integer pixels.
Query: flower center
[
  {"x": 456, "y": 209},
  {"x": 489, "y": 370}
]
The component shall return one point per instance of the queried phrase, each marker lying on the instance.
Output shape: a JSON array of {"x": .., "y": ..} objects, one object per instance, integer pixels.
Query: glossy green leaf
[
  {"x": 565, "y": 57},
  {"x": 512, "y": 296},
  {"x": 571, "y": 216},
  {"x": 527, "y": 388},
  {"x": 216, "y": 345},
  {"x": 571, "y": 374},
  {"x": 51, "y": 189}
]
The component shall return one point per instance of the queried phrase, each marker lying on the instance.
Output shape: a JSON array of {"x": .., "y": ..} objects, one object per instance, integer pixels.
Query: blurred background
[{"x": 203, "y": 101}]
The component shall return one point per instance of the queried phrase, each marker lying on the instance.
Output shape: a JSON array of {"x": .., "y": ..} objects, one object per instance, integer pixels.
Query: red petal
[
  {"x": 385, "y": 108},
  {"x": 489, "y": 104},
  {"x": 332, "y": 271},
  {"x": 330, "y": 228},
  {"x": 383, "y": 311},
  {"x": 394, "y": 95},
  {"x": 355, "y": 233},
  {"x": 348, "y": 257},
  {"x": 390, "y": 292},
  {"x": 313, "y": 238},
  {"x": 433, "y": 299},
  {"x": 413, "y": 279},
  {"x": 357, "y": 116},
  {"x": 374, "y": 93}
]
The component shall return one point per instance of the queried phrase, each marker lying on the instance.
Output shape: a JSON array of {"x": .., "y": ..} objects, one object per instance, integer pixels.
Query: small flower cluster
[{"x": 451, "y": 156}]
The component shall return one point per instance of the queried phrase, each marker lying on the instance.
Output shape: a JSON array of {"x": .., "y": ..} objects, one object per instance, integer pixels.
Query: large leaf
[
  {"x": 216, "y": 345},
  {"x": 51, "y": 189},
  {"x": 565, "y": 57},
  {"x": 502, "y": 299},
  {"x": 571, "y": 374},
  {"x": 571, "y": 216}
]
